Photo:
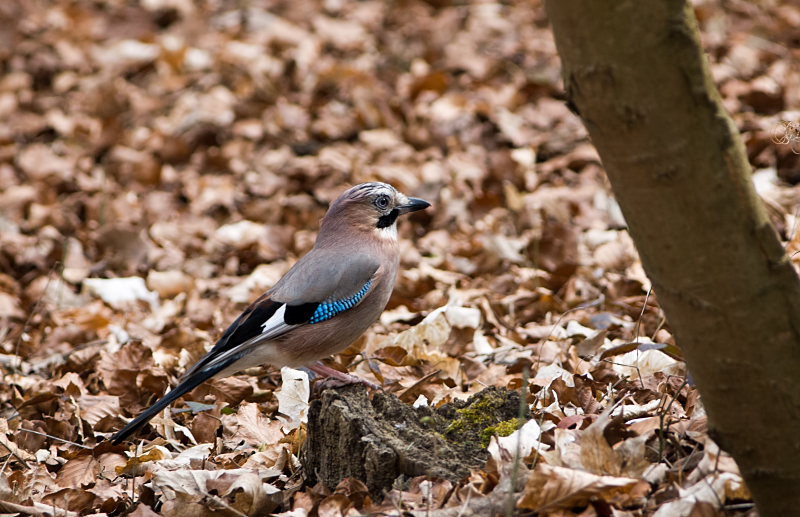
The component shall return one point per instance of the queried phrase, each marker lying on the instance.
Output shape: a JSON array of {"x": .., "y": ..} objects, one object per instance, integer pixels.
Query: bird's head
[{"x": 369, "y": 207}]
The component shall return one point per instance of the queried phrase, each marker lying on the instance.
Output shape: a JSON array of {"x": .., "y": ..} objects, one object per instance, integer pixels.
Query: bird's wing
[
  {"x": 324, "y": 276},
  {"x": 317, "y": 288}
]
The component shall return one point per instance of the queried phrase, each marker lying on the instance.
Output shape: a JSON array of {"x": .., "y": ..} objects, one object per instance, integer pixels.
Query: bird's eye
[{"x": 382, "y": 201}]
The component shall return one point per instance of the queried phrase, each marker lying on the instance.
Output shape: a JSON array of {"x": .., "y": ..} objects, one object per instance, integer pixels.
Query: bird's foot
[{"x": 335, "y": 378}]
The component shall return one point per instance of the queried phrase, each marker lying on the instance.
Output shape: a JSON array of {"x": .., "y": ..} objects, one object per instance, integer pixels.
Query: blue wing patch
[{"x": 328, "y": 310}]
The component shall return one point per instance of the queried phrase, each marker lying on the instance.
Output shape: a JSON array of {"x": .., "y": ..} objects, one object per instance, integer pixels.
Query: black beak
[{"x": 413, "y": 205}]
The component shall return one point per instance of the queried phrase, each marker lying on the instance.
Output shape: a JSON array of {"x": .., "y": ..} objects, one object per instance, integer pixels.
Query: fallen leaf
[
  {"x": 624, "y": 459},
  {"x": 255, "y": 428},
  {"x": 293, "y": 397},
  {"x": 549, "y": 488},
  {"x": 119, "y": 291},
  {"x": 78, "y": 472}
]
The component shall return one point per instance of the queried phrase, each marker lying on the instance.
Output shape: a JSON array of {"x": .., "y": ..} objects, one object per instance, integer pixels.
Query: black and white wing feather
[{"x": 315, "y": 290}]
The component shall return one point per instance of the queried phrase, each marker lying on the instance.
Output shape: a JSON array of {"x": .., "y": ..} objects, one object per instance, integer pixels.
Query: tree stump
[{"x": 384, "y": 442}]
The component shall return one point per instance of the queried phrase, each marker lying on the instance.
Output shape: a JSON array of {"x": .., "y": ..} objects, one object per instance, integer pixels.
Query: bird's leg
[{"x": 343, "y": 379}]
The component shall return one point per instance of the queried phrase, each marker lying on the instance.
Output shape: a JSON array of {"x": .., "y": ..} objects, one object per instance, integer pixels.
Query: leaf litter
[{"x": 163, "y": 162}]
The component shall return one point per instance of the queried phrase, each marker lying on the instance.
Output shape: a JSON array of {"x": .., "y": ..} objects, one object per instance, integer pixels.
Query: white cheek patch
[{"x": 389, "y": 233}]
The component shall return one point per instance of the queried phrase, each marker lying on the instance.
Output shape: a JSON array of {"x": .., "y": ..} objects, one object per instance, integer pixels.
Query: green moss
[
  {"x": 501, "y": 429},
  {"x": 455, "y": 425},
  {"x": 481, "y": 412},
  {"x": 486, "y": 436},
  {"x": 509, "y": 426},
  {"x": 479, "y": 419}
]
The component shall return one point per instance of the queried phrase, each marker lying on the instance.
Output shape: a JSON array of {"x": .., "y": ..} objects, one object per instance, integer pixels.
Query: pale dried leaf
[
  {"x": 255, "y": 428},
  {"x": 293, "y": 397},
  {"x": 558, "y": 487}
]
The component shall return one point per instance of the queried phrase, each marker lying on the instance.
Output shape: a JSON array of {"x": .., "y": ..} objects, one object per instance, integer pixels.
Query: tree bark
[
  {"x": 384, "y": 441},
  {"x": 636, "y": 74}
]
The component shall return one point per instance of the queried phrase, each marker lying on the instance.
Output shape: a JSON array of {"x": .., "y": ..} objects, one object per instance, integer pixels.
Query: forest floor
[{"x": 162, "y": 162}]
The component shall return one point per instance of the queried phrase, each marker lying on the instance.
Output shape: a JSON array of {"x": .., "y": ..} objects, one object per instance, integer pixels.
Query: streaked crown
[{"x": 370, "y": 207}]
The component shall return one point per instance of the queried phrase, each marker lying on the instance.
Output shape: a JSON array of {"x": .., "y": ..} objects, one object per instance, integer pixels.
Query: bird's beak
[{"x": 412, "y": 205}]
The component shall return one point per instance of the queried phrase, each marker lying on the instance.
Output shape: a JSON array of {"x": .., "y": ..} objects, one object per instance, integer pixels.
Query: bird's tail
[{"x": 190, "y": 383}]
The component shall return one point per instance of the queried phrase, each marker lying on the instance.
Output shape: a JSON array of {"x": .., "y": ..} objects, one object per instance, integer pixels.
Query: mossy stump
[{"x": 384, "y": 442}]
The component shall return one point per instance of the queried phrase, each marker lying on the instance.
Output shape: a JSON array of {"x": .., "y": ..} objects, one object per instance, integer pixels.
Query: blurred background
[{"x": 195, "y": 145}]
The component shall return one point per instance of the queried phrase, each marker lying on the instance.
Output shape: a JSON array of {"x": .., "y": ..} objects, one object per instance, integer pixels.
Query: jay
[{"x": 322, "y": 304}]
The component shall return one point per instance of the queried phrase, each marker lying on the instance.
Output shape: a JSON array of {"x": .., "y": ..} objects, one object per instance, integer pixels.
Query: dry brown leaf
[
  {"x": 142, "y": 510},
  {"x": 109, "y": 461},
  {"x": 139, "y": 462},
  {"x": 423, "y": 342},
  {"x": 549, "y": 488},
  {"x": 40, "y": 162},
  {"x": 395, "y": 356},
  {"x": 333, "y": 506},
  {"x": 232, "y": 390},
  {"x": 625, "y": 459},
  {"x": 704, "y": 495},
  {"x": 255, "y": 428},
  {"x": 205, "y": 491},
  {"x": 75, "y": 500},
  {"x": 78, "y": 472},
  {"x": 169, "y": 283},
  {"x": 9, "y": 307},
  {"x": 96, "y": 407},
  {"x": 274, "y": 457}
]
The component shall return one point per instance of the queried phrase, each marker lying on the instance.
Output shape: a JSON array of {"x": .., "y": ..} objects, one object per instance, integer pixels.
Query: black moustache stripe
[{"x": 387, "y": 220}]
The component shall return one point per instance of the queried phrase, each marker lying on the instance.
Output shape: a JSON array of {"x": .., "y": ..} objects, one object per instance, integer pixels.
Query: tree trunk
[{"x": 636, "y": 74}]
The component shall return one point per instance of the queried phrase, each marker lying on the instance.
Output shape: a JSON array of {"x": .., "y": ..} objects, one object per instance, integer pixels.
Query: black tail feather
[{"x": 182, "y": 389}]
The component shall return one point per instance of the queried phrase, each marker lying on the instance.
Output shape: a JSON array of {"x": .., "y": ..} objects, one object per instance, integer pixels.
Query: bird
[{"x": 321, "y": 305}]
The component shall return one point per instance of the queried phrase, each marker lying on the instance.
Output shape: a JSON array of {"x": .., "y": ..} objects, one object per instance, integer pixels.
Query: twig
[
  {"x": 517, "y": 459},
  {"x": 661, "y": 439},
  {"x": 634, "y": 366},
  {"x": 5, "y": 463},
  {"x": 540, "y": 422},
  {"x": 707, "y": 482},
  {"x": 13, "y": 453},
  {"x": 641, "y": 315},
  {"x": 135, "y": 464},
  {"x": 660, "y": 324},
  {"x": 53, "y": 438},
  {"x": 636, "y": 333},
  {"x": 39, "y": 365},
  {"x": 740, "y": 506},
  {"x": 499, "y": 318},
  {"x": 225, "y": 505},
  {"x": 33, "y": 312},
  {"x": 466, "y": 504}
]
